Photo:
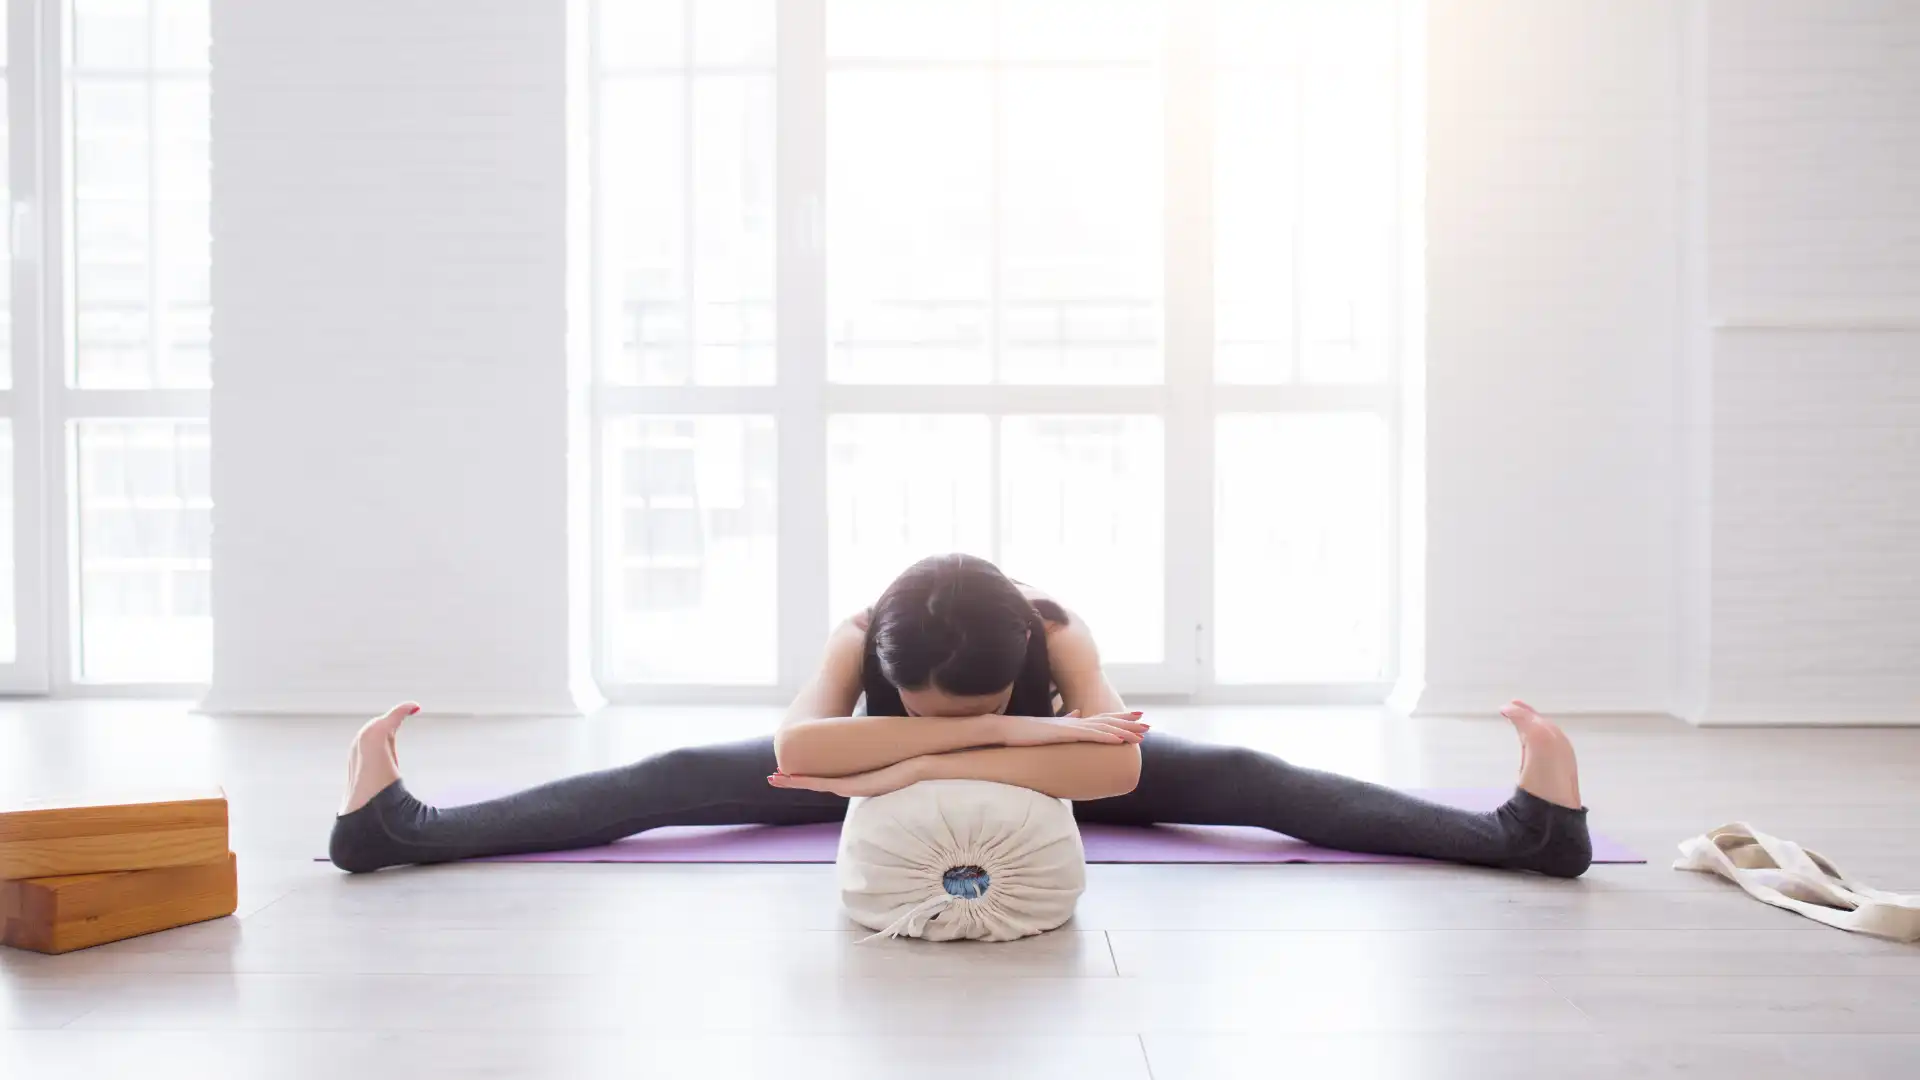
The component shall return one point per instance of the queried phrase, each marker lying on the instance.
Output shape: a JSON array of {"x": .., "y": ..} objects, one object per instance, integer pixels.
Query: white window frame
[
  {"x": 21, "y": 404},
  {"x": 44, "y": 405},
  {"x": 1188, "y": 401}
]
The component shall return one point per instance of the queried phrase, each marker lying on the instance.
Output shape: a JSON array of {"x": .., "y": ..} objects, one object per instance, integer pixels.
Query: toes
[
  {"x": 398, "y": 713},
  {"x": 1519, "y": 710},
  {"x": 383, "y": 727}
]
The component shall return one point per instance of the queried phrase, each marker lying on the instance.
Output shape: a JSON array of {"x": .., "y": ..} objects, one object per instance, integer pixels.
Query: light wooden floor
[{"x": 1178, "y": 973}]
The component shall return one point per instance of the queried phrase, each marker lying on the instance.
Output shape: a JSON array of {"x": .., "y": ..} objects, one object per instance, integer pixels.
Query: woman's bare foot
[
  {"x": 373, "y": 762},
  {"x": 1547, "y": 767}
]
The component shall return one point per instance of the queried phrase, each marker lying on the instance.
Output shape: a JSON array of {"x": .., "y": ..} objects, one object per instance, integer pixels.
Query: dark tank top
[{"x": 1033, "y": 691}]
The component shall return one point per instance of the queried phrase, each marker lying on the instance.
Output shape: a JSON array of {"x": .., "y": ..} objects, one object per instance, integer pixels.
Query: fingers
[
  {"x": 1127, "y": 722},
  {"x": 1096, "y": 731},
  {"x": 798, "y": 783}
]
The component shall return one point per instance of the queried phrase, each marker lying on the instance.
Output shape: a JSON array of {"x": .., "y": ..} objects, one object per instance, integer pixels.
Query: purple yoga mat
[{"x": 1105, "y": 843}]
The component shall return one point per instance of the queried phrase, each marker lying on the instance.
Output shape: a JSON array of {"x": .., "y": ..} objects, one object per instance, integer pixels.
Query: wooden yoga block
[
  {"x": 76, "y": 911},
  {"x": 52, "y": 839}
]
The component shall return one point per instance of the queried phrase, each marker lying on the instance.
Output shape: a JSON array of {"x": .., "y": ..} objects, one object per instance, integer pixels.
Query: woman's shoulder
[{"x": 1052, "y": 612}]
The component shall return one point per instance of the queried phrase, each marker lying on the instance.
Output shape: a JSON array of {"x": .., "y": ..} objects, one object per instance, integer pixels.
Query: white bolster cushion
[{"x": 951, "y": 859}]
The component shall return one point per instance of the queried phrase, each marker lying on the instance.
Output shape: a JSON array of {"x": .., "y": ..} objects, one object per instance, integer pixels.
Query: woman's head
[{"x": 953, "y": 636}]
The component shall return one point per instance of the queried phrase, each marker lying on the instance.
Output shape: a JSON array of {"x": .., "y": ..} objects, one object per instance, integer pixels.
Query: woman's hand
[
  {"x": 1108, "y": 728},
  {"x": 860, "y": 785}
]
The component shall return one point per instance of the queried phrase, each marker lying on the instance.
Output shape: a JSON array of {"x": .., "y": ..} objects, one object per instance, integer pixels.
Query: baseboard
[
  {"x": 1835, "y": 718},
  {"x": 218, "y": 702},
  {"x": 1487, "y": 701}
]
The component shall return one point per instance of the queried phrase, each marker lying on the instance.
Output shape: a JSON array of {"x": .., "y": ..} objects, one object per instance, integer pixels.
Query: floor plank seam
[{"x": 1594, "y": 1026}]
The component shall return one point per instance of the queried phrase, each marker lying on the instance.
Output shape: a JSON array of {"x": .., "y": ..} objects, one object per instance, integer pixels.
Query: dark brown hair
[{"x": 955, "y": 623}]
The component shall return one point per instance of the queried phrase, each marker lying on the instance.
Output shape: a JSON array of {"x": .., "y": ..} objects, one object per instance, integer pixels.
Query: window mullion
[
  {"x": 55, "y": 362},
  {"x": 155, "y": 346},
  {"x": 1188, "y": 196},
  {"x": 800, "y": 300},
  {"x": 996, "y": 273}
]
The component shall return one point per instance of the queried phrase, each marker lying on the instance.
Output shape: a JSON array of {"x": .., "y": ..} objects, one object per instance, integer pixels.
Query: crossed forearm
[
  {"x": 847, "y": 745},
  {"x": 970, "y": 748},
  {"x": 1081, "y": 771}
]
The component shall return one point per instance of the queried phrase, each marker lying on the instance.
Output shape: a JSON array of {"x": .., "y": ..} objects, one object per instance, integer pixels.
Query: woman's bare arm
[
  {"x": 1077, "y": 670},
  {"x": 1082, "y": 772},
  {"x": 1079, "y": 770},
  {"x": 819, "y": 738}
]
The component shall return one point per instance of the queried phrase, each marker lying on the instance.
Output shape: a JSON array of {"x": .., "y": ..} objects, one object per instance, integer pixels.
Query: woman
[{"x": 964, "y": 673}]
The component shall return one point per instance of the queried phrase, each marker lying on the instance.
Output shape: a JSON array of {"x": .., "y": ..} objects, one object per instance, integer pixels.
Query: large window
[
  {"x": 109, "y": 359},
  {"x": 1104, "y": 290}
]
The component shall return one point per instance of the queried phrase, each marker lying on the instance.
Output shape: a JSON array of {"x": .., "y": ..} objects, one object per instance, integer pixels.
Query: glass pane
[
  {"x": 686, "y": 235},
  {"x": 1082, "y": 30},
  {"x": 738, "y": 32},
  {"x": 1305, "y": 191},
  {"x": 909, "y": 226},
  {"x": 145, "y": 528},
  {"x": 1300, "y": 567},
  {"x": 1081, "y": 517},
  {"x": 111, "y": 34},
  {"x": 141, "y": 238},
  {"x": 182, "y": 35},
  {"x": 653, "y": 33},
  {"x": 1255, "y": 201},
  {"x": 909, "y": 30},
  {"x": 183, "y": 244},
  {"x": 900, "y": 488},
  {"x": 9, "y": 625},
  {"x": 689, "y": 512},
  {"x": 1082, "y": 228},
  {"x": 640, "y": 33}
]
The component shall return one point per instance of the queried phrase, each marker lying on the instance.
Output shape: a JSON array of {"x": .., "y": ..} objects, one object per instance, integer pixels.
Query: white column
[{"x": 390, "y": 407}]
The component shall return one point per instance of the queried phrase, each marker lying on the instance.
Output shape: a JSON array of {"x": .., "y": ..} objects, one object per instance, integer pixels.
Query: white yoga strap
[
  {"x": 913, "y": 922},
  {"x": 1786, "y": 875}
]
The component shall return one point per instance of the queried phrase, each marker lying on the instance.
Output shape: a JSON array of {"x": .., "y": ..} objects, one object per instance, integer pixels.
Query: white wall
[
  {"x": 1812, "y": 353},
  {"x": 390, "y": 403},
  {"x": 1674, "y": 358},
  {"x": 1553, "y": 336}
]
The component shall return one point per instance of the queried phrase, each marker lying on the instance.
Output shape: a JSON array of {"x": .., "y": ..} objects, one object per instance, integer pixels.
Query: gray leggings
[{"x": 1181, "y": 782}]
